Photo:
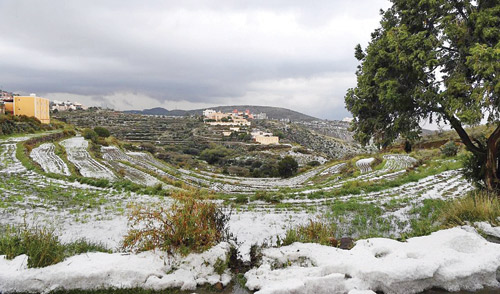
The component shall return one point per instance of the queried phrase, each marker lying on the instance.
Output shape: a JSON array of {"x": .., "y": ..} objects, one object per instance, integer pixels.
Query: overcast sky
[{"x": 186, "y": 54}]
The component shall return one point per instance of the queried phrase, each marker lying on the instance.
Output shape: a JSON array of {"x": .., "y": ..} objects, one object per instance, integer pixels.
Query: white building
[
  {"x": 65, "y": 106},
  {"x": 209, "y": 112}
]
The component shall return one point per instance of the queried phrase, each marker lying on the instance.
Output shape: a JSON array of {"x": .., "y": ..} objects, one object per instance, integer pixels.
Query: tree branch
[
  {"x": 457, "y": 126},
  {"x": 449, "y": 49},
  {"x": 460, "y": 10}
]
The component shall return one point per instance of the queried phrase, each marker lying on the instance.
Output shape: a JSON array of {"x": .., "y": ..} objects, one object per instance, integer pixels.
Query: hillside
[
  {"x": 272, "y": 112},
  {"x": 159, "y": 111}
]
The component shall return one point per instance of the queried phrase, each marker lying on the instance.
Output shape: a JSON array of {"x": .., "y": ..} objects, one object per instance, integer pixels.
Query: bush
[
  {"x": 474, "y": 168},
  {"x": 187, "y": 226},
  {"x": 287, "y": 167},
  {"x": 102, "y": 132},
  {"x": 313, "y": 232},
  {"x": 215, "y": 155},
  {"x": 314, "y": 163},
  {"x": 89, "y": 134},
  {"x": 449, "y": 149},
  {"x": 475, "y": 207}
]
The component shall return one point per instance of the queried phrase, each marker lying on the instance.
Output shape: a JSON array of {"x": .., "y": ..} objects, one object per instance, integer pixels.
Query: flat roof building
[{"x": 32, "y": 106}]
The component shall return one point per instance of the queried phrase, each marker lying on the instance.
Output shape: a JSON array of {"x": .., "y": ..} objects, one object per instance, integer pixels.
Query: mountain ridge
[{"x": 271, "y": 111}]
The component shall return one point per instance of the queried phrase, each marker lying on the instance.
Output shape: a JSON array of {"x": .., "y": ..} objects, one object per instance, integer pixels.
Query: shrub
[
  {"x": 313, "y": 232},
  {"x": 476, "y": 206},
  {"x": 474, "y": 169},
  {"x": 287, "y": 167},
  {"x": 89, "y": 134},
  {"x": 215, "y": 155},
  {"x": 102, "y": 132},
  {"x": 314, "y": 163},
  {"x": 449, "y": 149},
  {"x": 407, "y": 146},
  {"x": 189, "y": 225}
]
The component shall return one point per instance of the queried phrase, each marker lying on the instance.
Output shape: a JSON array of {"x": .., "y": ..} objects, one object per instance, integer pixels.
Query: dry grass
[
  {"x": 476, "y": 206},
  {"x": 188, "y": 225}
]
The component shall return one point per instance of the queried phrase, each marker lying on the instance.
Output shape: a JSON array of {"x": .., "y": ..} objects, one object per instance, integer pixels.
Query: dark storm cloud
[{"x": 195, "y": 51}]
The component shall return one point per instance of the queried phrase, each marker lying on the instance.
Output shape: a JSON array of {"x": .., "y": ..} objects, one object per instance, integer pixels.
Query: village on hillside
[{"x": 238, "y": 123}]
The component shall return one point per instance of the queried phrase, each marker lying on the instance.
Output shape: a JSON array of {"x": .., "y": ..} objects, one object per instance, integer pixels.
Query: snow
[
  {"x": 44, "y": 155},
  {"x": 9, "y": 164},
  {"x": 488, "y": 229},
  {"x": 76, "y": 148},
  {"x": 364, "y": 164},
  {"x": 150, "y": 270},
  {"x": 113, "y": 155},
  {"x": 452, "y": 259}
]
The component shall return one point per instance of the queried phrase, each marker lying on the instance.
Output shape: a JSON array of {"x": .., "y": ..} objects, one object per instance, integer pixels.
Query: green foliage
[
  {"x": 42, "y": 246},
  {"x": 22, "y": 124},
  {"x": 314, "y": 163},
  {"x": 216, "y": 154},
  {"x": 90, "y": 134},
  {"x": 313, "y": 232},
  {"x": 436, "y": 60},
  {"x": 474, "y": 169},
  {"x": 102, "y": 132},
  {"x": 221, "y": 265},
  {"x": 449, "y": 149},
  {"x": 83, "y": 246},
  {"x": 187, "y": 226},
  {"x": 287, "y": 167},
  {"x": 267, "y": 197}
]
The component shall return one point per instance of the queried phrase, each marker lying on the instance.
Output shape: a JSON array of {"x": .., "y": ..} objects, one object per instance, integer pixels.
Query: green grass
[
  {"x": 314, "y": 231},
  {"x": 42, "y": 246}
]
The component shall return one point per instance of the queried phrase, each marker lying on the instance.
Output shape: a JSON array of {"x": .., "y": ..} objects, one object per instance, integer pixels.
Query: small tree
[
  {"x": 287, "y": 167},
  {"x": 102, "y": 132}
]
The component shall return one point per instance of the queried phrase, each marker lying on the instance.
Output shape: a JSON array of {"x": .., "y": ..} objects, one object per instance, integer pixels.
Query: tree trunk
[{"x": 492, "y": 158}]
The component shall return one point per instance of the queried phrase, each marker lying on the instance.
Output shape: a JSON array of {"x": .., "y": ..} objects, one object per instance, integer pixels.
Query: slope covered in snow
[
  {"x": 76, "y": 148},
  {"x": 45, "y": 156}
]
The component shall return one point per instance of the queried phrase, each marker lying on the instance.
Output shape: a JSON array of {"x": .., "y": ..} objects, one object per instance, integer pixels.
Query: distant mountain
[{"x": 272, "y": 112}]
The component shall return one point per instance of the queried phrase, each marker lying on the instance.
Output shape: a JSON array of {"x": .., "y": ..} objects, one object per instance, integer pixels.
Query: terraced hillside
[
  {"x": 134, "y": 127},
  {"x": 393, "y": 195}
]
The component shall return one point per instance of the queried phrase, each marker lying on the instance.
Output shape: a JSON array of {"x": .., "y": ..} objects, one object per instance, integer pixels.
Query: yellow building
[
  {"x": 9, "y": 107},
  {"x": 32, "y": 106}
]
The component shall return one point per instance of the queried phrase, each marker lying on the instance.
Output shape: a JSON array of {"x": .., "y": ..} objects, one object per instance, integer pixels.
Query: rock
[
  {"x": 219, "y": 286},
  {"x": 346, "y": 243}
]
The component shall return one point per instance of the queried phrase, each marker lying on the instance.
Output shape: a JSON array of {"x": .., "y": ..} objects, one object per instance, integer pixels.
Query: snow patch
[
  {"x": 150, "y": 270},
  {"x": 452, "y": 259}
]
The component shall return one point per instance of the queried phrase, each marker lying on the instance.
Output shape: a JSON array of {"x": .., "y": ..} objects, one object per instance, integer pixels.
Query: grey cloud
[{"x": 97, "y": 48}]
